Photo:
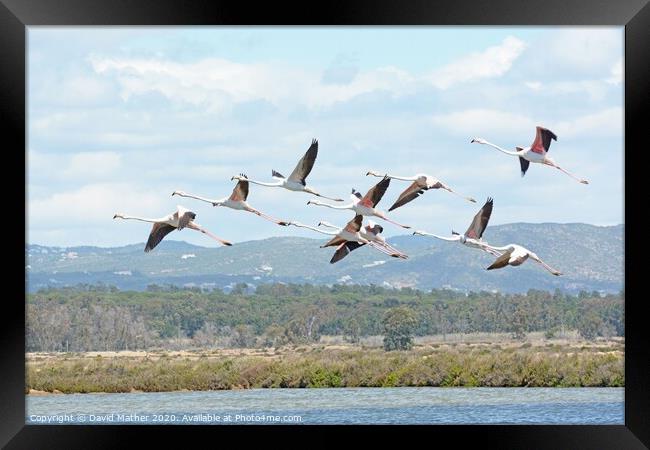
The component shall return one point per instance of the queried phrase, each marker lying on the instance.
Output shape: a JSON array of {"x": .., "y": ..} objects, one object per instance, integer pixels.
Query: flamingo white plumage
[
  {"x": 297, "y": 180},
  {"x": 421, "y": 182},
  {"x": 370, "y": 232},
  {"x": 474, "y": 234},
  {"x": 536, "y": 153},
  {"x": 237, "y": 200},
  {"x": 515, "y": 255},
  {"x": 350, "y": 233},
  {"x": 365, "y": 205},
  {"x": 179, "y": 219}
]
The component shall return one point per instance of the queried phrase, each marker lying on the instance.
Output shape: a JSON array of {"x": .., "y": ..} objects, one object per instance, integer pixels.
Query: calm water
[{"x": 338, "y": 406}]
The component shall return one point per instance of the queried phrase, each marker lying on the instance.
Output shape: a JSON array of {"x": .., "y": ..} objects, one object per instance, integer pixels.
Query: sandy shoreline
[{"x": 271, "y": 352}]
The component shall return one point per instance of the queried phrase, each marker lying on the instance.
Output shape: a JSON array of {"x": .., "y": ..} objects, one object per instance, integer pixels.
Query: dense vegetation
[
  {"x": 103, "y": 318},
  {"x": 447, "y": 365}
]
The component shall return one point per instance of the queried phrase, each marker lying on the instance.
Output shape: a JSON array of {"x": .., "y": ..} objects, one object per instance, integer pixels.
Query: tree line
[{"x": 90, "y": 318}]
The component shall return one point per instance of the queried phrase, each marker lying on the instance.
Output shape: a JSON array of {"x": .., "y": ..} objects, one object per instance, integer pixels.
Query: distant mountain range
[{"x": 590, "y": 258}]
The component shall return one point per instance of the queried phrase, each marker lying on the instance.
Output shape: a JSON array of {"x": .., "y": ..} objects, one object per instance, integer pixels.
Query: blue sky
[{"x": 118, "y": 118}]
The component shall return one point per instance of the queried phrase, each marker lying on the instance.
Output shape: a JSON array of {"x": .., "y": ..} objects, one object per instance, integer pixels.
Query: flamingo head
[
  {"x": 478, "y": 141},
  {"x": 178, "y": 193},
  {"x": 418, "y": 232},
  {"x": 239, "y": 177},
  {"x": 374, "y": 228},
  {"x": 374, "y": 174},
  {"x": 118, "y": 216}
]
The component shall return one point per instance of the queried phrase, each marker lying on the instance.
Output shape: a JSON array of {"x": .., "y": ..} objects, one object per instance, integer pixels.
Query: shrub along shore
[{"x": 548, "y": 365}]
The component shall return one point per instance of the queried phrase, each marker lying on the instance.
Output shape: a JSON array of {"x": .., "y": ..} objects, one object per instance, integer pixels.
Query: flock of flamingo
[{"x": 354, "y": 234}]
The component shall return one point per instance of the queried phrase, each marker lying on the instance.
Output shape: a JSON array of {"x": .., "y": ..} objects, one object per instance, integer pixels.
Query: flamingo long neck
[
  {"x": 261, "y": 183},
  {"x": 315, "y": 229},
  {"x": 316, "y": 202},
  {"x": 141, "y": 219},
  {"x": 442, "y": 237},
  {"x": 396, "y": 177},
  {"x": 507, "y": 152},
  {"x": 329, "y": 225},
  {"x": 203, "y": 199}
]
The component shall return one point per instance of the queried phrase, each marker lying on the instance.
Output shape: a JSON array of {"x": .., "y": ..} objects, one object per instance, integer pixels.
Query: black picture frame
[{"x": 634, "y": 15}]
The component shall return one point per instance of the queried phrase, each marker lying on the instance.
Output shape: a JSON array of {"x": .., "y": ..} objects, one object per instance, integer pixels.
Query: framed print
[{"x": 354, "y": 218}]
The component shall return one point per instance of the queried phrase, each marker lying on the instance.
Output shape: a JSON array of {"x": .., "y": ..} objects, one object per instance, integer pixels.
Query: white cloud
[
  {"x": 216, "y": 84},
  {"x": 492, "y": 62}
]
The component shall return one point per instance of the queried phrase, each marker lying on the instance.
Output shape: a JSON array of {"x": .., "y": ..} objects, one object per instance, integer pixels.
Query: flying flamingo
[
  {"x": 181, "y": 218},
  {"x": 369, "y": 232},
  {"x": 365, "y": 205},
  {"x": 297, "y": 179},
  {"x": 515, "y": 255},
  {"x": 473, "y": 235},
  {"x": 350, "y": 233},
  {"x": 536, "y": 153},
  {"x": 421, "y": 182},
  {"x": 237, "y": 200}
]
